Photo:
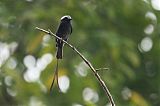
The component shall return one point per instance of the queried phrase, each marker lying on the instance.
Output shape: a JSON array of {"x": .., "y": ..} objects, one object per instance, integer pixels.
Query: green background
[{"x": 122, "y": 35}]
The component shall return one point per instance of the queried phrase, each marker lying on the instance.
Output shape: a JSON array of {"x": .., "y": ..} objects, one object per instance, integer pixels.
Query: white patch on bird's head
[{"x": 66, "y": 17}]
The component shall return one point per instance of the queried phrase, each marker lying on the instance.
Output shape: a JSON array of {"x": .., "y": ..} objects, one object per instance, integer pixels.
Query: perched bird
[{"x": 63, "y": 31}]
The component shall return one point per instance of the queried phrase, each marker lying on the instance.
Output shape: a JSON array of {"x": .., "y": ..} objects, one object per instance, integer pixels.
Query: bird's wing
[{"x": 60, "y": 29}]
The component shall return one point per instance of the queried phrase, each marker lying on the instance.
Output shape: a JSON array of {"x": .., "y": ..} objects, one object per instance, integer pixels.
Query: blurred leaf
[
  {"x": 33, "y": 44},
  {"x": 138, "y": 100}
]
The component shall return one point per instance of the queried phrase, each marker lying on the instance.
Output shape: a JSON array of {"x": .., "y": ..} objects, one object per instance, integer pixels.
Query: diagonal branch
[{"x": 103, "y": 85}]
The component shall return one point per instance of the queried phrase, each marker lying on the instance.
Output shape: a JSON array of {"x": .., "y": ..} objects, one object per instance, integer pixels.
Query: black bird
[{"x": 63, "y": 31}]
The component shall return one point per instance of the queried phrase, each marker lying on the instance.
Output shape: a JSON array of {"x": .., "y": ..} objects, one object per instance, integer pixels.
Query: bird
[{"x": 63, "y": 31}]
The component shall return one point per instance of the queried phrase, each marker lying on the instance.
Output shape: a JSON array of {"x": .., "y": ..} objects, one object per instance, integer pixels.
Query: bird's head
[{"x": 66, "y": 18}]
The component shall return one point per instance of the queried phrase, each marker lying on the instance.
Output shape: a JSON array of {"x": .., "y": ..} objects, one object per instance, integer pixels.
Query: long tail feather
[{"x": 55, "y": 76}]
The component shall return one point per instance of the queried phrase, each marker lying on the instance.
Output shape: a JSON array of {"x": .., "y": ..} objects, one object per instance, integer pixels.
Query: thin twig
[
  {"x": 87, "y": 62},
  {"x": 98, "y": 69}
]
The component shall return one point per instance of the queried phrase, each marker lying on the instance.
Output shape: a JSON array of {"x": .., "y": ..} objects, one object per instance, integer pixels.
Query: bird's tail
[
  {"x": 55, "y": 77},
  {"x": 59, "y": 52}
]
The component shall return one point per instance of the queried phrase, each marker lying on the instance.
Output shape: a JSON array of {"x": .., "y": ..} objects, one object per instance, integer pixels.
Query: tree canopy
[{"x": 122, "y": 35}]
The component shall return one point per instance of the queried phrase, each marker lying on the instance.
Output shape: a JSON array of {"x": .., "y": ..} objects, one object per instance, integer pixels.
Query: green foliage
[{"x": 110, "y": 33}]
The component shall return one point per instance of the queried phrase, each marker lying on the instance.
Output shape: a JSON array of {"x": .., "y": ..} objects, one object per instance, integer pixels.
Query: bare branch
[
  {"x": 103, "y": 85},
  {"x": 98, "y": 69}
]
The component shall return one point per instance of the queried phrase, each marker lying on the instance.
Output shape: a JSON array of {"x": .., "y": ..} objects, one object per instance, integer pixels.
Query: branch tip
[{"x": 99, "y": 69}]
